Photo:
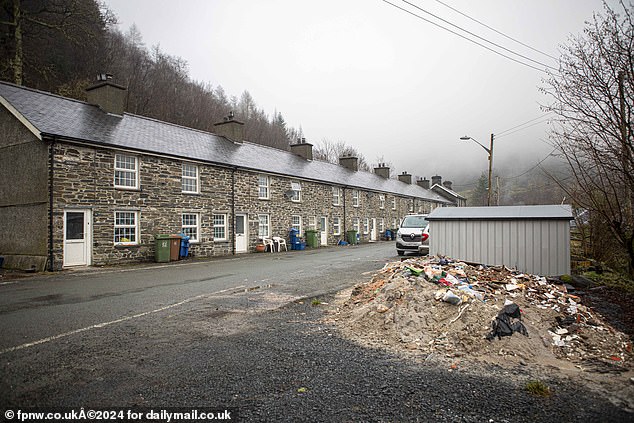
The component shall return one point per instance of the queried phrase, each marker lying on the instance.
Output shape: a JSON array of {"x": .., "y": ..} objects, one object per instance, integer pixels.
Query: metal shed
[{"x": 532, "y": 239}]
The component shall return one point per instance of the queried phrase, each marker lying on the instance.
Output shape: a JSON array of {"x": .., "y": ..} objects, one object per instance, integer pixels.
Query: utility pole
[{"x": 490, "y": 151}]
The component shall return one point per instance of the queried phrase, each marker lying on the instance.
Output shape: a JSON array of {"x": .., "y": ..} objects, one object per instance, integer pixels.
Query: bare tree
[
  {"x": 592, "y": 96},
  {"x": 73, "y": 26}
]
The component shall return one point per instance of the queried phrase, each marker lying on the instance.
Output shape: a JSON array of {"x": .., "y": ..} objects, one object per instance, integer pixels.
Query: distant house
[
  {"x": 83, "y": 183},
  {"x": 443, "y": 189}
]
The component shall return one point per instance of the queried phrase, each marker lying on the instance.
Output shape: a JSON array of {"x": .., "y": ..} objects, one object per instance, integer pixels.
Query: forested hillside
[{"x": 61, "y": 45}]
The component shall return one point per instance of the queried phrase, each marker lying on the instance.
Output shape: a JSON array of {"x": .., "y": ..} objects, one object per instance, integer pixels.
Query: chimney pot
[
  {"x": 424, "y": 183},
  {"x": 303, "y": 149},
  {"x": 382, "y": 170},
  {"x": 349, "y": 162},
  {"x": 405, "y": 177},
  {"x": 109, "y": 96},
  {"x": 230, "y": 128}
]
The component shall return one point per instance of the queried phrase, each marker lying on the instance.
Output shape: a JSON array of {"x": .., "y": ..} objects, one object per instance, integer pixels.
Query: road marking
[{"x": 112, "y": 322}]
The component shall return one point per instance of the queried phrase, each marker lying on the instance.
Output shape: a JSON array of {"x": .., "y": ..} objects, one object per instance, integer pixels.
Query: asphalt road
[
  {"x": 38, "y": 308},
  {"x": 241, "y": 334}
]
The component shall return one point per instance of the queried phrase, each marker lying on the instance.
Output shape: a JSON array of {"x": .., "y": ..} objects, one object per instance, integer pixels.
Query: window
[
  {"x": 355, "y": 198},
  {"x": 296, "y": 223},
  {"x": 190, "y": 178},
  {"x": 336, "y": 196},
  {"x": 394, "y": 223},
  {"x": 381, "y": 201},
  {"x": 336, "y": 226},
  {"x": 366, "y": 226},
  {"x": 191, "y": 226},
  {"x": 312, "y": 222},
  {"x": 381, "y": 225},
  {"x": 356, "y": 224},
  {"x": 126, "y": 173},
  {"x": 219, "y": 222},
  {"x": 263, "y": 187},
  {"x": 126, "y": 228},
  {"x": 394, "y": 203},
  {"x": 297, "y": 191},
  {"x": 263, "y": 226},
  {"x": 411, "y": 206}
]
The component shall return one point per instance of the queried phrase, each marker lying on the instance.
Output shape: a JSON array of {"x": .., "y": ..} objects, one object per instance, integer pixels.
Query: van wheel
[{"x": 400, "y": 253}]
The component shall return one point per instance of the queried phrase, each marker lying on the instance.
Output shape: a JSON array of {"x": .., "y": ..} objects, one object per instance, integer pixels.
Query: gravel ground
[{"x": 280, "y": 364}]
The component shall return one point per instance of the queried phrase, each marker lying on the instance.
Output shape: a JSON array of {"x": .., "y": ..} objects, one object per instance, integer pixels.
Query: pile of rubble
[{"x": 438, "y": 306}]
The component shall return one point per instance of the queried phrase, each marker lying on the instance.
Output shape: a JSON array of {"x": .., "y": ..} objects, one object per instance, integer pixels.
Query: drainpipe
[
  {"x": 233, "y": 211},
  {"x": 51, "y": 163},
  {"x": 345, "y": 232}
]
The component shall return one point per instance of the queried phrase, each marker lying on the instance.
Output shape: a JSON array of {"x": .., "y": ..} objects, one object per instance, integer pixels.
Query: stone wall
[{"x": 84, "y": 178}]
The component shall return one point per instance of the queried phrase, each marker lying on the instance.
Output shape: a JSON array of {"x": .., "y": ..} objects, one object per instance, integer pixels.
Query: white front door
[
  {"x": 373, "y": 231},
  {"x": 77, "y": 237},
  {"x": 323, "y": 230},
  {"x": 241, "y": 234}
]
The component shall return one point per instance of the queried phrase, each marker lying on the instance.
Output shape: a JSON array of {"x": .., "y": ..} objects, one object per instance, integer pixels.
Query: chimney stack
[
  {"x": 436, "y": 180},
  {"x": 231, "y": 129},
  {"x": 349, "y": 162},
  {"x": 382, "y": 170},
  {"x": 303, "y": 149},
  {"x": 424, "y": 183},
  {"x": 405, "y": 177},
  {"x": 109, "y": 96},
  {"x": 447, "y": 184}
]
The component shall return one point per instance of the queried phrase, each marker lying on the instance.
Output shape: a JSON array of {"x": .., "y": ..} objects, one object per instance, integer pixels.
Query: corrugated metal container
[{"x": 532, "y": 239}]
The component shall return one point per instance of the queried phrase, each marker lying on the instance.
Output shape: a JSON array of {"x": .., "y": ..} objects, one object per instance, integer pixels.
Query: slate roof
[
  {"x": 448, "y": 191},
  {"x": 541, "y": 212},
  {"x": 75, "y": 120}
]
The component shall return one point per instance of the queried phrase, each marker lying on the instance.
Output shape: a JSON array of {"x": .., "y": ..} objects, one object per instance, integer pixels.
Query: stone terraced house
[{"x": 83, "y": 183}]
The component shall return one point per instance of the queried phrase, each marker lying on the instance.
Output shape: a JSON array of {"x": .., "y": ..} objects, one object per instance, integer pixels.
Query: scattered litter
[
  {"x": 508, "y": 321},
  {"x": 439, "y": 306}
]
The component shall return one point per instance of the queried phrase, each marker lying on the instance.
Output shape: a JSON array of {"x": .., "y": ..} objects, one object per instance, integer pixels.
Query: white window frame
[
  {"x": 296, "y": 223},
  {"x": 264, "y": 187},
  {"x": 188, "y": 178},
  {"x": 336, "y": 225},
  {"x": 189, "y": 229},
  {"x": 381, "y": 201},
  {"x": 366, "y": 226},
  {"x": 394, "y": 223},
  {"x": 411, "y": 206},
  {"x": 336, "y": 196},
  {"x": 217, "y": 226},
  {"x": 381, "y": 225},
  {"x": 356, "y": 224},
  {"x": 296, "y": 187},
  {"x": 135, "y": 227},
  {"x": 394, "y": 203},
  {"x": 355, "y": 198},
  {"x": 125, "y": 173},
  {"x": 264, "y": 226},
  {"x": 312, "y": 222}
]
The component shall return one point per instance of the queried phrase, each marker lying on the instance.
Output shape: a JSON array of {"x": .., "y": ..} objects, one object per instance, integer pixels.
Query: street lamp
[{"x": 490, "y": 151}]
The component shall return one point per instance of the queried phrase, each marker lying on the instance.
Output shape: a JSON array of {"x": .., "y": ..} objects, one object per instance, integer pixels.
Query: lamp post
[{"x": 490, "y": 151}]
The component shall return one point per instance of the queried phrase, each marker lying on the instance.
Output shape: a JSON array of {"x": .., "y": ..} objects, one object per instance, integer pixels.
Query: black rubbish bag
[{"x": 509, "y": 320}]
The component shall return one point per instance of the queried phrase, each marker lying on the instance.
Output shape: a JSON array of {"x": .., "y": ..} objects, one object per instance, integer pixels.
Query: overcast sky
[{"x": 378, "y": 78}]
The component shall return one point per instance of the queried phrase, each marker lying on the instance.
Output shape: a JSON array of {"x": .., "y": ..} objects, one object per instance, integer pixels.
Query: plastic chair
[
  {"x": 270, "y": 243},
  {"x": 280, "y": 242}
]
